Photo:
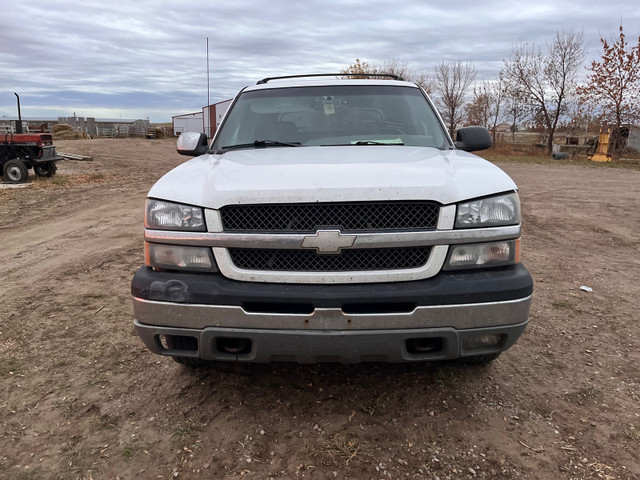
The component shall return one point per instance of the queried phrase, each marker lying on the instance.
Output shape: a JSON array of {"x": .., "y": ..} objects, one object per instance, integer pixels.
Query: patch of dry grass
[
  {"x": 68, "y": 180},
  {"x": 506, "y": 153},
  {"x": 343, "y": 446},
  {"x": 63, "y": 131}
]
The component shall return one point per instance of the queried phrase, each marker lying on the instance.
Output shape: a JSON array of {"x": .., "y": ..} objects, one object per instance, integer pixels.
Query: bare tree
[
  {"x": 452, "y": 80},
  {"x": 581, "y": 118},
  {"x": 545, "y": 80},
  {"x": 389, "y": 67},
  {"x": 516, "y": 110},
  {"x": 613, "y": 84},
  {"x": 477, "y": 110},
  {"x": 487, "y": 107},
  {"x": 498, "y": 92},
  {"x": 423, "y": 80},
  {"x": 360, "y": 69}
]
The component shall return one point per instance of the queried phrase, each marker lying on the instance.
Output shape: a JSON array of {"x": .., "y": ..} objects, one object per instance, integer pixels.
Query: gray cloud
[{"x": 147, "y": 59}]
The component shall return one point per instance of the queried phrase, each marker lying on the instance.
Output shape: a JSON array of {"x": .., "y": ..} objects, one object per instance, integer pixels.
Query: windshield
[{"x": 331, "y": 115}]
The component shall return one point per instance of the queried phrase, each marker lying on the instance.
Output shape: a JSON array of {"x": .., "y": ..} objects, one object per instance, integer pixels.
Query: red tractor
[{"x": 21, "y": 151}]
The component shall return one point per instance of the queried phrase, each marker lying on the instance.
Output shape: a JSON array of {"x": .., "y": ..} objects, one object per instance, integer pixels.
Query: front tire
[
  {"x": 15, "y": 171},
  {"x": 45, "y": 169}
]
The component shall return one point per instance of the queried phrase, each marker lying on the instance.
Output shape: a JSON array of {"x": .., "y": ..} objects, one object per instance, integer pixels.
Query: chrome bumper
[
  {"x": 329, "y": 335},
  {"x": 463, "y": 316}
]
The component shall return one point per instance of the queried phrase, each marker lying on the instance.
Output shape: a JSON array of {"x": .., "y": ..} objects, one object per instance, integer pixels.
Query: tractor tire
[
  {"x": 15, "y": 171},
  {"x": 45, "y": 169}
]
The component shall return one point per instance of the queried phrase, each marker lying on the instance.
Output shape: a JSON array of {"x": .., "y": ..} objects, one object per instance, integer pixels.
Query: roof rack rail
[{"x": 377, "y": 75}]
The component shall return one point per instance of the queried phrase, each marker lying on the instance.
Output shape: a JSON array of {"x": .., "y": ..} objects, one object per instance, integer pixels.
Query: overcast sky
[{"x": 117, "y": 59}]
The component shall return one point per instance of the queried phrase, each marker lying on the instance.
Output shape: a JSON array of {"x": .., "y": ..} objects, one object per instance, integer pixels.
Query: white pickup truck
[{"x": 332, "y": 220}]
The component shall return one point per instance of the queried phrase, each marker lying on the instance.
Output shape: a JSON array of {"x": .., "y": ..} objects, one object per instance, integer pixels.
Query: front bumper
[
  {"x": 344, "y": 323},
  {"x": 47, "y": 160}
]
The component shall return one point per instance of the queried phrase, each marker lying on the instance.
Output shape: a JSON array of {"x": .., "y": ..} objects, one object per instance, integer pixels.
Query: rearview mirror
[
  {"x": 192, "y": 144},
  {"x": 471, "y": 139}
]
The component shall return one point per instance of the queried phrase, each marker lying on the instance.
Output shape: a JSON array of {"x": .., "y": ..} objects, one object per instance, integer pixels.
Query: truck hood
[{"x": 331, "y": 174}]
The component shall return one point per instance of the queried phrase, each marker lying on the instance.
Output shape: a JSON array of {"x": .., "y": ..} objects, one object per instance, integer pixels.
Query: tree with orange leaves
[{"x": 613, "y": 84}]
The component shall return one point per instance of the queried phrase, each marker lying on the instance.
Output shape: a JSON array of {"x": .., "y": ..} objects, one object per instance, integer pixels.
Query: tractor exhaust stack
[{"x": 19, "y": 122}]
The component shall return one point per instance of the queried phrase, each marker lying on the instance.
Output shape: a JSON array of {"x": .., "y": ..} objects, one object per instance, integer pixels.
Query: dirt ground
[{"x": 81, "y": 397}]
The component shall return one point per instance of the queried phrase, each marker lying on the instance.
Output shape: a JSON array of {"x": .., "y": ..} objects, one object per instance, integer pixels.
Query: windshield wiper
[
  {"x": 373, "y": 142},
  {"x": 259, "y": 144},
  {"x": 364, "y": 142}
]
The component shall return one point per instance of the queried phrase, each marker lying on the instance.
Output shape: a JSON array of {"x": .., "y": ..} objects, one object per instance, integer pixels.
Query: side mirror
[
  {"x": 471, "y": 139},
  {"x": 192, "y": 144}
]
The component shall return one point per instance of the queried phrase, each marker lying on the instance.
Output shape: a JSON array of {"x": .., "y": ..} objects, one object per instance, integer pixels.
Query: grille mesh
[
  {"x": 48, "y": 152},
  {"x": 349, "y": 217},
  {"x": 348, "y": 261}
]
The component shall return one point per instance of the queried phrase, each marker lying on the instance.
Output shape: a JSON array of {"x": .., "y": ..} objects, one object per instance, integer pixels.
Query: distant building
[
  {"x": 212, "y": 116},
  {"x": 189, "y": 122},
  {"x": 207, "y": 121}
]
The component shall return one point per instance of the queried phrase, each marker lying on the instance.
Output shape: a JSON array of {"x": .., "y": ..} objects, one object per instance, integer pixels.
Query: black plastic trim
[
  {"x": 447, "y": 288},
  {"x": 364, "y": 75}
]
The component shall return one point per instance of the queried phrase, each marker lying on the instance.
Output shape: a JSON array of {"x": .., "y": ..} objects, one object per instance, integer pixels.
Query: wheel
[
  {"x": 15, "y": 171},
  {"x": 480, "y": 359},
  {"x": 45, "y": 169},
  {"x": 184, "y": 343}
]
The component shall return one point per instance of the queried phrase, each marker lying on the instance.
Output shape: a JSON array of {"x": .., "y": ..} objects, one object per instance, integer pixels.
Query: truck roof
[{"x": 325, "y": 81}]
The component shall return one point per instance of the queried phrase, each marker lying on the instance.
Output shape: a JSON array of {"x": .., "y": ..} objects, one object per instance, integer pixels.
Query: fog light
[{"x": 480, "y": 341}]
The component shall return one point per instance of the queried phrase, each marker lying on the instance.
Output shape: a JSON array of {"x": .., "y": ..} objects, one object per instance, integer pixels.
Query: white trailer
[
  {"x": 213, "y": 115},
  {"x": 189, "y": 122}
]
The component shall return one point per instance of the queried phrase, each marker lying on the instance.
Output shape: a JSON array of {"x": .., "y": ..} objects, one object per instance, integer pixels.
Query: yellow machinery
[
  {"x": 610, "y": 142},
  {"x": 603, "y": 151}
]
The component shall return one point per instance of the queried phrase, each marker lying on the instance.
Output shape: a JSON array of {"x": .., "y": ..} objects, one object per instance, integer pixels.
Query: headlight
[
  {"x": 161, "y": 215},
  {"x": 489, "y": 212},
  {"x": 483, "y": 255},
  {"x": 172, "y": 257}
]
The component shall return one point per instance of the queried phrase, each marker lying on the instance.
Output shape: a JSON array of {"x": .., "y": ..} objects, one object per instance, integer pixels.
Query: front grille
[
  {"x": 348, "y": 217},
  {"x": 48, "y": 152},
  {"x": 366, "y": 259}
]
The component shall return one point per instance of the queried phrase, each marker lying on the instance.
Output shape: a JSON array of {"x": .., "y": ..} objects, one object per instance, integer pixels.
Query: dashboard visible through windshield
[{"x": 331, "y": 115}]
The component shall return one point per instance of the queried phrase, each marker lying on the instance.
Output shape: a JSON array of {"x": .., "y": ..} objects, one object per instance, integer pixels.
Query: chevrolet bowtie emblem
[{"x": 328, "y": 241}]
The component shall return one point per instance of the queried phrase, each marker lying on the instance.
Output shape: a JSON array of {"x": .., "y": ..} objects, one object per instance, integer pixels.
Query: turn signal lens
[
  {"x": 172, "y": 257},
  {"x": 481, "y": 255}
]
